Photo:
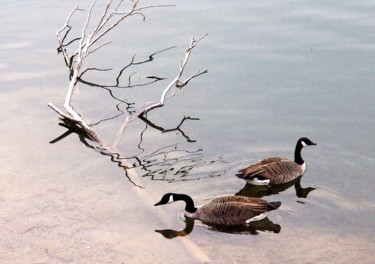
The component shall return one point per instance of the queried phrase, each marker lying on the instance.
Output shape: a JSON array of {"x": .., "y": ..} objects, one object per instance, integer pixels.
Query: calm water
[{"x": 276, "y": 71}]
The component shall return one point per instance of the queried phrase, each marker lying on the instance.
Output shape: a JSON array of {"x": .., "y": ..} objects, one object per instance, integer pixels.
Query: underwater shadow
[
  {"x": 264, "y": 225},
  {"x": 264, "y": 190}
]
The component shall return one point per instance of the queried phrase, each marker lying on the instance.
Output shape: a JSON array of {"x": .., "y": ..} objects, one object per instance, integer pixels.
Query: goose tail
[
  {"x": 240, "y": 174},
  {"x": 274, "y": 205}
]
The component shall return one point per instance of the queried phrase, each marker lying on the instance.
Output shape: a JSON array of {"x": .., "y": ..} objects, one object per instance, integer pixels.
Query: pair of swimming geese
[{"x": 241, "y": 210}]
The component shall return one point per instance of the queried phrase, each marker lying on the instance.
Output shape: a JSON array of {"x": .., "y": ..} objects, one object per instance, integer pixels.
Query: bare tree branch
[
  {"x": 177, "y": 80},
  {"x": 75, "y": 61},
  {"x": 57, "y": 110},
  {"x": 92, "y": 51},
  {"x": 66, "y": 25},
  {"x": 110, "y": 18}
]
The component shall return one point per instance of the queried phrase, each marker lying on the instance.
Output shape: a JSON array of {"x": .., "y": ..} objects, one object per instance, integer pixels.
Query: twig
[
  {"x": 176, "y": 81},
  {"x": 66, "y": 56}
]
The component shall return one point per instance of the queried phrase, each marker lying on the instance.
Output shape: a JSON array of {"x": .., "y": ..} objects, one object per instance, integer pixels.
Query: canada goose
[
  {"x": 227, "y": 210},
  {"x": 277, "y": 170}
]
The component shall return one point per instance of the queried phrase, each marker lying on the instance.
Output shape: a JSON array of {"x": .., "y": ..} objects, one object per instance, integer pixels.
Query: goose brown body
[{"x": 233, "y": 210}]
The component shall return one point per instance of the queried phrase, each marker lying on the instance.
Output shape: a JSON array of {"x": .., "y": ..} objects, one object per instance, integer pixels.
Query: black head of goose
[
  {"x": 277, "y": 170},
  {"x": 227, "y": 210}
]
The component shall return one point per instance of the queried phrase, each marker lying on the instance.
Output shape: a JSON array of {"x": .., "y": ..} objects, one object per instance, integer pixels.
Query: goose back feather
[{"x": 233, "y": 210}]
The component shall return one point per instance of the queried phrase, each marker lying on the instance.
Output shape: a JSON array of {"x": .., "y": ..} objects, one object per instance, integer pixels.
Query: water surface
[{"x": 276, "y": 72}]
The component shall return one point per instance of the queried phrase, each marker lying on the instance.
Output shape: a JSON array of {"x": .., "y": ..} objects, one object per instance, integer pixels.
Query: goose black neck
[
  {"x": 297, "y": 154},
  {"x": 187, "y": 199}
]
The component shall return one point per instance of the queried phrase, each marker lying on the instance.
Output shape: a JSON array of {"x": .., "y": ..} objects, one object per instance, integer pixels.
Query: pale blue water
[{"x": 276, "y": 71}]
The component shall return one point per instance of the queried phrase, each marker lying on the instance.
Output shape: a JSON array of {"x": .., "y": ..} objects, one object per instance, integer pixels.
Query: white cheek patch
[
  {"x": 303, "y": 143},
  {"x": 171, "y": 199}
]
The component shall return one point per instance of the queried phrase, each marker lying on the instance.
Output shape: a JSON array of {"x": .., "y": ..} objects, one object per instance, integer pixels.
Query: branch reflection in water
[
  {"x": 168, "y": 163},
  {"x": 111, "y": 88},
  {"x": 264, "y": 225},
  {"x": 263, "y": 190}
]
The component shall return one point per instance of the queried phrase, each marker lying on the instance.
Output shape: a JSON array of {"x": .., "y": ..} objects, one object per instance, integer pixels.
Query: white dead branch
[
  {"x": 111, "y": 17},
  {"x": 177, "y": 82}
]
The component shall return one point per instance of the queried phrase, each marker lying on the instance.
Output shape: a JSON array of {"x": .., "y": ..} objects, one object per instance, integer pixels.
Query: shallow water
[{"x": 276, "y": 72}]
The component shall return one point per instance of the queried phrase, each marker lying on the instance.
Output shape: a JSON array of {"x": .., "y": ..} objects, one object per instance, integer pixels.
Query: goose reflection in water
[
  {"x": 264, "y": 190},
  {"x": 170, "y": 233},
  {"x": 264, "y": 225}
]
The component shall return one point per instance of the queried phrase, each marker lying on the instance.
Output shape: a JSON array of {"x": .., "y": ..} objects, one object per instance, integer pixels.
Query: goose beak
[
  {"x": 312, "y": 143},
  {"x": 159, "y": 203}
]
